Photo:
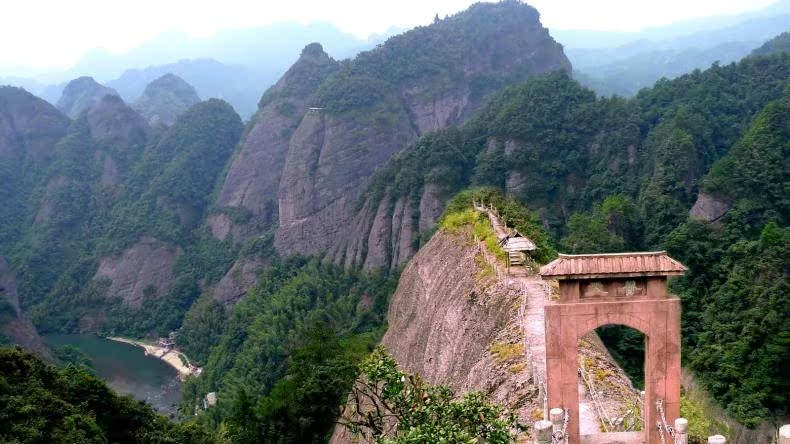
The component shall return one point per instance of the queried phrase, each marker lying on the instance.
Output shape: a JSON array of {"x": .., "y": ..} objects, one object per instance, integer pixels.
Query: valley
[{"x": 127, "y": 370}]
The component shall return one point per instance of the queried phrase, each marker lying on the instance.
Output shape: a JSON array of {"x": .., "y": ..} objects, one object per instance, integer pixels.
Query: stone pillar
[
  {"x": 682, "y": 430},
  {"x": 557, "y": 417},
  {"x": 784, "y": 434},
  {"x": 717, "y": 439},
  {"x": 662, "y": 365},
  {"x": 562, "y": 364},
  {"x": 543, "y": 431}
]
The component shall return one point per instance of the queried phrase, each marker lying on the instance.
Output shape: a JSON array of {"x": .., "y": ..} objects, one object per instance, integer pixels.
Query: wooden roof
[
  {"x": 519, "y": 243},
  {"x": 590, "y": 266}
]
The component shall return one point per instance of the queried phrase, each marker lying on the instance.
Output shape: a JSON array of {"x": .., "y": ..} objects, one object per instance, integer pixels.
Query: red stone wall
[{"x": 658, "y": 319}]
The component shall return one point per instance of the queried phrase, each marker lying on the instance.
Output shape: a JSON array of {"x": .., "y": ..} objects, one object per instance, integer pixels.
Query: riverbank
[{"x": 172, "y": 356}]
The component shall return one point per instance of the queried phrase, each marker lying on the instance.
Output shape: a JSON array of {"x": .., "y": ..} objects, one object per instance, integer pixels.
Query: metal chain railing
[
  {"x": 660, "y": 432},
  {"x": 561, "y": 436},
  {"x": 663, "y": 426},
  {"x": 598, "y": 407}
]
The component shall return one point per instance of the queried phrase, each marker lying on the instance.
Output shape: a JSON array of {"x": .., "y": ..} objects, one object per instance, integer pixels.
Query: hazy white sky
[{"x": 56, "y": 33}]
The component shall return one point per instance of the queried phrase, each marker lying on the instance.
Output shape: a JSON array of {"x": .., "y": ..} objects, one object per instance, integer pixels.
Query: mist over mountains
[
  {"x": 623, "y": 63},
  {"x": 239, "y": 65},
  {"x": 233, "y": 65}
]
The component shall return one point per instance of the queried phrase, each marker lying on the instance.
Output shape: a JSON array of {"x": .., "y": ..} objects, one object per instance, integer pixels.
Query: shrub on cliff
[
  {"x": 393, "y": 407},
  {"x": 513, "y": 213}
]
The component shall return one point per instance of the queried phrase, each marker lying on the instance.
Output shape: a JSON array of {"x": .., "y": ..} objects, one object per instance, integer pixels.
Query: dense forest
[
  {"x": 608, "y": 175},
  {"x": 40, "y": 403},
  {"x": 632, "y": 187}
]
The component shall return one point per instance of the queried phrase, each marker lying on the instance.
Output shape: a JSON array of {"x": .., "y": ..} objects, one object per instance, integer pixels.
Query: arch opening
[
  {"x": 627, "y": 347},
  {"x": 611, "y": 398}
]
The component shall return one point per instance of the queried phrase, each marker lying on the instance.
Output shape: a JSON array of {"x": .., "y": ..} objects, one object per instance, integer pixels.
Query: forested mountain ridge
[
  {"x": 622, "y": 63},
  {"x": 552, "y": 144},
  {"x": 80, "y": 94},
  {"x": 164, "y": 99},
  {"x": 776, "y": 45},
  {"x": 619, "y": 175},
  {"x": 376, "y": 105},
  {"x": 736, "y": 329},
  {"x": 94, "y": 199}
]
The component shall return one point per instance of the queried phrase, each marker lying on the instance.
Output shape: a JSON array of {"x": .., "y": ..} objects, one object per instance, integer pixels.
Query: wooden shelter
[{"x": 517, "y": 247}]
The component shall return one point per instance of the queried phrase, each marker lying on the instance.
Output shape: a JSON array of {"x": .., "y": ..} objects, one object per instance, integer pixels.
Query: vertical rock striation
[
  {"x": 14, "y": 323},
  {"x": 247, "y": 199},
  {"x": 382, "y": 102}
]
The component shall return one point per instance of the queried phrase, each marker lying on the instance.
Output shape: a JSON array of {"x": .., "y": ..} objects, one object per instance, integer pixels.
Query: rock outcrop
[
  {"x": 164, "y": 99},
  {"x": 476, "y": 337},
  {"x": 253, "y": 179},
  {"x": 143, "y": 270},
  {"x": 471, "y": 317},
  {"x": 333, "y": 153},
  {"x": 475, "y": 341},
  {"x": 81, "y": 94},
  {"x": 113, "y": 122},
  {"x": 708, "y": 208},
  {"x": 29, "y": 126},
  {"x": 325, "y": 128},
  {"x": 14, "y": 323},
  {"x": 241, "y": 276}
]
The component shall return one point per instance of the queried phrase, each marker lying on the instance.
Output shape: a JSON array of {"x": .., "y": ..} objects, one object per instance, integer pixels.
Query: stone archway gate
[{"x": 627, "y": 289}]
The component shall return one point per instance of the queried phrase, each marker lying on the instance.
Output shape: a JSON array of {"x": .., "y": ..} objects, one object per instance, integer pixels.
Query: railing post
[
  {"x": 557, "y": 416},
  {"x": 784, "y": 434},
  {"x": 717, "y": 439},
  {"x": 682, "y": 430},
  {"x": 543, "y": 431}
]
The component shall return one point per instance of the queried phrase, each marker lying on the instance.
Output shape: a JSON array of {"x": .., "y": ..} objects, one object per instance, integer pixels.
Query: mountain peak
[
  {"x": 110, "y": 119},
  {"x": 166, "y": 98},
  {"x": 81, "y": 94},
  {"x": 173, "y": 84},
  {"x": 314, "y": 50}
]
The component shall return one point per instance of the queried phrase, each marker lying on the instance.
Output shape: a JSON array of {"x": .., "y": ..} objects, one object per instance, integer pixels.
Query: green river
[{"x": 128, "y": 370}]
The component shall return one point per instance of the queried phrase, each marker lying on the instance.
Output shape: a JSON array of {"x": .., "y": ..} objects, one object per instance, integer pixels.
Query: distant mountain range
[
  {"x": 623, "y": 63},
  {"x": 239, "y": 65},
  {"x": 235, "y": 65}
]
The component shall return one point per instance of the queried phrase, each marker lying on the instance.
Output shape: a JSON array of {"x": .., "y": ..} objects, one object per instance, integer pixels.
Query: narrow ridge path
[{"x": 535, "y": 293}]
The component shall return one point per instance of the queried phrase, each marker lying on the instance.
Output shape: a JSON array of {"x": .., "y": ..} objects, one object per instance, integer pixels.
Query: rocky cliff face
[
  {"x": 253, "y": 179},
  {"x": 329, "y": 160},
  {"x": 164, "y": 99},
  {"x": 305, "y": 167},
  {"x": 15, "y": 324},
  {"x": 80, "y": 94},
  {"x": 469, "y": 315},
  {"x": 474, "y": 343},
  {"x": 143, "y": 270},
  {"x": 709, "y": 208},
  {"x": 29, "y": 129},
  {"x": 333, "y": 153}
]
